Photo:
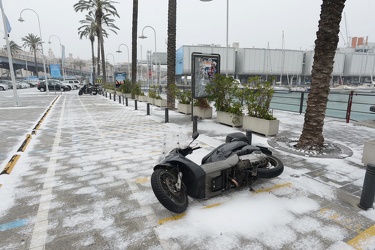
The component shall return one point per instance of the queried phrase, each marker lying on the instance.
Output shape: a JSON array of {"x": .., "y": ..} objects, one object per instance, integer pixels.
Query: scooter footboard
[{"x": 214, "y": 179}]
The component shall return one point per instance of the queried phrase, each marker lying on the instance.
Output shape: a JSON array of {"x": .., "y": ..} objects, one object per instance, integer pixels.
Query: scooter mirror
[{"x": 195, "y": 135}]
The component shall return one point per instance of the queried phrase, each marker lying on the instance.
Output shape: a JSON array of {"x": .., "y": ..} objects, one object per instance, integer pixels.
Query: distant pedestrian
[{"x": 160, "y": 89}]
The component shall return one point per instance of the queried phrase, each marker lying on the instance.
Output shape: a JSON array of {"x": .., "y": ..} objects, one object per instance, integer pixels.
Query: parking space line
[{"x": 357, "y": 242}]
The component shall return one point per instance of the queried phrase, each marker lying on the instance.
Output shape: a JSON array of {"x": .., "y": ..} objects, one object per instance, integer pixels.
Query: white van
[{"x": 73, "y": 83}]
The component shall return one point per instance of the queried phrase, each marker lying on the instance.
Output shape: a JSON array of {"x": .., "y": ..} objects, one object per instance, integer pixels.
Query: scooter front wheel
[
  {"x": 271, "y": 168},
  {"x": 163, "y": 183}
]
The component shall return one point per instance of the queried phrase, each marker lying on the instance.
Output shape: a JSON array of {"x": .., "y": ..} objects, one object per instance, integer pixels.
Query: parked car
[
  {"x": 3, "y": 86},
  {"x": 73, "y": 82},
  {"x": 22, "y": 85},
  {"x": 54, "y": 85}
]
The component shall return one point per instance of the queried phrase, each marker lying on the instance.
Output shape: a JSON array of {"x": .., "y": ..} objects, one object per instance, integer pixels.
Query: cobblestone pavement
[{"x": 83, "y": 180}]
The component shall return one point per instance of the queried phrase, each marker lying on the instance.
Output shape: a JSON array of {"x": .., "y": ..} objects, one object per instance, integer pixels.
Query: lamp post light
[
  {"x": 144, "y": 37},
  {"x": 119, "y": 51},
  {"x": 40, "y": 34},
  {"x": 61, "y": 52},
  {"x": 226, "y": 42},
  {"x": 113, "y": 57}
]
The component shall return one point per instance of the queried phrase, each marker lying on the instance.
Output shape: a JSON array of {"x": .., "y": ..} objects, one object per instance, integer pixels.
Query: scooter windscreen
[{"x": 171, "y": 140}]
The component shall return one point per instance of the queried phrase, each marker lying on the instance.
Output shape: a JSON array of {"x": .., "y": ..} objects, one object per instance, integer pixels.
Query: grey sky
[{"x": 251, "y": 23}]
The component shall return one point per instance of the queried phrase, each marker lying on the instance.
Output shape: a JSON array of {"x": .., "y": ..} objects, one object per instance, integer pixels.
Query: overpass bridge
[{"x": 21, "y": 61}]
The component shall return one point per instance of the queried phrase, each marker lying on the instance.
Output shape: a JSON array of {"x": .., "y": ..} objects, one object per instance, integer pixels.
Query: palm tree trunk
[
  {"x": 98, "y": 53},
  {"x": 103, "y": 57},
  {"x": 171, "y": 53},
  {"x": 325, "y": 49},
  {"x": 134, "y": 43},
  {"x": 93, "y": 61},
  {"x": 36, "y": 65}
]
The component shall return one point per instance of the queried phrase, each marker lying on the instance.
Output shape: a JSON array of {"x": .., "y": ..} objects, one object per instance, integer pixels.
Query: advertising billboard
[{"x": 204, "y": 67}]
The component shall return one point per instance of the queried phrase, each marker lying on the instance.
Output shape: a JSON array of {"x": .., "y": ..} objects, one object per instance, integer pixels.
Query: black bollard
[
  {"x": 119, "y": 99},
  {"x": 110, "y": 96},
  {"x": 368, "y": 189},
  {"x": 126, "y": 101},
  {"x": 135, "y": 105},
  {"x": 106, "y": 94},
  {"x": 114, "y": 97},
  {"x": 166, "y": 115},
  {"x": 195, "y": 123},
  {"x": 249, "y": 135},
  {"x": 148, "y": 108}
]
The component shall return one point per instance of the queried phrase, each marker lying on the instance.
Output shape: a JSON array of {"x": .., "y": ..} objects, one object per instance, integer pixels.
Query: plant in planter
[
  {"x": 152, "y": 95},
  {"x": 202, "y": 108},
  {"x": 137, "y": 92},
  {"x": 126, "y": 88},
  {"x": 184, "y": 101},
  {"x": 226, "y": 94},
  {"x": 257, "y": 98}
]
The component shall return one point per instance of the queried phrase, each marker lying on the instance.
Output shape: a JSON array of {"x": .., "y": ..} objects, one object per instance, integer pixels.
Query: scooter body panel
[{"x": 193, "y": 175}]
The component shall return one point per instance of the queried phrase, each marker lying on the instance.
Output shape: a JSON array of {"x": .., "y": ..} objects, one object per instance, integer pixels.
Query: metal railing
[{"x": 353, "y": 105}]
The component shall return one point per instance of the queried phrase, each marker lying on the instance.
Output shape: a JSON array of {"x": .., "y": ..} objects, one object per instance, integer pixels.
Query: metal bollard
[
  {"x": 166, "y": 115},
  {"x": 110, "y": 96},
  {"x": 148, "y": 108},
  {"x": 114, "y": 97},
  {"x": 195, "y": 123},
  {"x": 249, "y": 135},
  {"x": 119, "y": 99},
  {"x": 368, "y": 189},
  {"x": 126, "y": 101},
  {"x": 135, "y": 105},
  {"x": 106, "y": 94}
]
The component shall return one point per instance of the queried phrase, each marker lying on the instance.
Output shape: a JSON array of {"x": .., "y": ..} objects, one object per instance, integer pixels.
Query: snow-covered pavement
[{"x": 83, "y": 182}]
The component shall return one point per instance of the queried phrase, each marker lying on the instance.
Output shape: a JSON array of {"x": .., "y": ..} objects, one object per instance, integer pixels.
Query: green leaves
[
  {"x": 257, "y": 97},
  {"x": 226, "y": 94}
]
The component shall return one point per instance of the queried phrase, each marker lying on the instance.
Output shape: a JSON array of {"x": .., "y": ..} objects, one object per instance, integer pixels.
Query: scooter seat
[
  {"x": 247, "y": 150},
  {"x": 223, "y": 151}
]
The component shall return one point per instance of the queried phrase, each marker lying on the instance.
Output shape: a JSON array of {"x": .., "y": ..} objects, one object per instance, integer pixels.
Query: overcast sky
[{"x": 251, "y": 23}]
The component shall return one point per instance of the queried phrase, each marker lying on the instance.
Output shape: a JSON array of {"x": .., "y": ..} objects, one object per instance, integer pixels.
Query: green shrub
[
  {"x": 257, "y": 98},
  {"x": 183, "y": 97},
  {"x": 226, "y": 94}
]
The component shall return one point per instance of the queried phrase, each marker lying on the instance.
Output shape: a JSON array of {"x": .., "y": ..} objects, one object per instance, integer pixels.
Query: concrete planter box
[
  {"x": 127, "y": 95},
  {"x": 261, "y": 126},
  {"x": 368, "y": 155},
  {"x": 142, "y": 98},
  {"x": 184, "y": 108},
  {"x": 151, "y": 100},
  {"x": 229, "y": 119},
  {"x": 160, "y": 102},
  {"x": 204, "y": 113}
]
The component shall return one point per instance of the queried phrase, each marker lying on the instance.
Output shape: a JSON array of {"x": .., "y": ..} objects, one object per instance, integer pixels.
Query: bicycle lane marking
[{"x": 39, "y": 235}]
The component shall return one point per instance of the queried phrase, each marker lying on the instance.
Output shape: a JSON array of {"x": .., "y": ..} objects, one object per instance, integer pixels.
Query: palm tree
[
  {"x": 325, "y": 49},
  {"x": 134, "y": 44},
  {"x": 98, "y": 9},
  {"x": 171, "y": 53},
  {"x": 32, "y": 42},
  {"x": 14, "y": 48},
  {"x": 88, "y": 30}
]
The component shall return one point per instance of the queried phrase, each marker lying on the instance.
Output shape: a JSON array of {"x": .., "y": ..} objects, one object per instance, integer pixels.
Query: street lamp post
[
  {"x": 113, "y": 57},
  {"x": 144, "y": 37},
  {"x": 226, "y": 48},
  {"x": 40, "y": 34},
  {"x": 119, "y": 51},
  {"x": 61, "y": 53},
  {"x": 15, "y": 94}
]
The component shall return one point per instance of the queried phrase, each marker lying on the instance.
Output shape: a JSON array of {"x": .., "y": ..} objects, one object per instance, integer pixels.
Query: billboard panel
[{"x": 204, "y": 67}]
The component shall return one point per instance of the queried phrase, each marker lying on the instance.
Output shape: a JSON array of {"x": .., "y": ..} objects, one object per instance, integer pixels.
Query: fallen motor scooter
[
  {"x": 88, "y": 89},
  {"x": 234, "y": 164}
]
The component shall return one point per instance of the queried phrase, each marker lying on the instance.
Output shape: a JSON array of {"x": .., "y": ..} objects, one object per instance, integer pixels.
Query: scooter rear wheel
[
  {"x": 271, "y": 168},
  {"x": 163, "y": 184}
]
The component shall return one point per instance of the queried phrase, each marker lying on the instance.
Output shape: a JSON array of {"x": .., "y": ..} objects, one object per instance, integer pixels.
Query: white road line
[{"x": 38, "y": 239}]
